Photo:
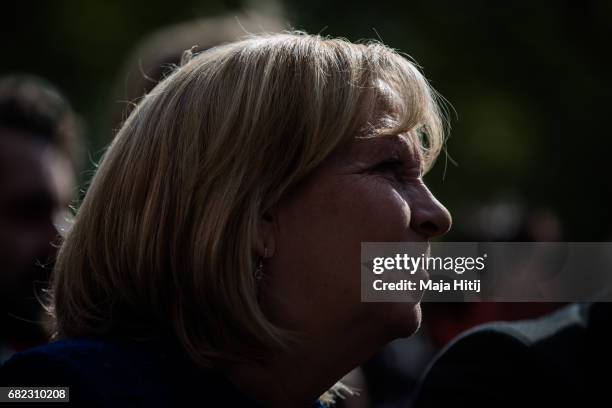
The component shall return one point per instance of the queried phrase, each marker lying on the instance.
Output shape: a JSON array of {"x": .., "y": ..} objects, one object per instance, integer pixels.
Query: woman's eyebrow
[
  {"x": 402, "y": 142},
  {"x": 387, "y": 142},
  {"x": 398, "y": 140}
]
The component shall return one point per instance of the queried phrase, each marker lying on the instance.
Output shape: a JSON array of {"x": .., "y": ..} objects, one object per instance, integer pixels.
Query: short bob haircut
[{"x": 164, "y": 240}]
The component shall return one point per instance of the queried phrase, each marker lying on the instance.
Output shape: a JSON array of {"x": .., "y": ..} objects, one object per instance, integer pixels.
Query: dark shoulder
[
  {"x": 70, "y": 348},
  {"x": 63, "y": 357},
  {"x": 493, "y": 342},
  {"x": 473, "y": 369},
  {"x": 98, "y": 372},
  {"x": 117, "y": 373},
  {"x": 566, "y": 324},
  {"x": 74, "y": 363},
  {"x": 501, "y": 363}
]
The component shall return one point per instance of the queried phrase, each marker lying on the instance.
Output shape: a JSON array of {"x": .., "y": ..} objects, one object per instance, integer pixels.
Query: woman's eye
[{"x": 388, "y": 166}]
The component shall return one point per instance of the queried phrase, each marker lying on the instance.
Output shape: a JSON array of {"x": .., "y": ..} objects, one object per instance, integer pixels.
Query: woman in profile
[{"x": 216, "y": 255}]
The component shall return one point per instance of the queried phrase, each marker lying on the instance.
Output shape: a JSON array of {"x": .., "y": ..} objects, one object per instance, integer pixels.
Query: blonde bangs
[{"x": 421, "y": 112}]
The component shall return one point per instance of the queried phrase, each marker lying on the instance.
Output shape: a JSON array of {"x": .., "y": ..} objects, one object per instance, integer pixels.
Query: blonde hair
[
  {"x": 161, "y": 52},
  {"x": 164, "y": 240}
]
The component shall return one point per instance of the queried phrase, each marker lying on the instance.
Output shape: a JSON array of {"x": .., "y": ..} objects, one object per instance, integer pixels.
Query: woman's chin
[{"x": 406, "y": 319}]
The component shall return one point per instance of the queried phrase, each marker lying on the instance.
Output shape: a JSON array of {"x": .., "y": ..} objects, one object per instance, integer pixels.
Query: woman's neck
[{"x": 298, "y": 377}]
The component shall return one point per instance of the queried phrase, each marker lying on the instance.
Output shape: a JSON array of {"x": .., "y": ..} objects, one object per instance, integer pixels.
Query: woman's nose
[{"x": 428, "y": 216}]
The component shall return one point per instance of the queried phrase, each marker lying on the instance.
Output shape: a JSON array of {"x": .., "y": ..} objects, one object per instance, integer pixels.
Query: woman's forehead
[
  {"x": 382, "y": 127},
  {"x": 384, "y": 110}
]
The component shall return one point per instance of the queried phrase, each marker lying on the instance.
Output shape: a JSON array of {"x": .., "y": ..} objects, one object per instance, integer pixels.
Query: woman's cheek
[{"x": 384, "y": 211}]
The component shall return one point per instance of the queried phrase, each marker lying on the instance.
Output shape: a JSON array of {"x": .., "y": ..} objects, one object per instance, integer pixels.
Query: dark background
[{"x": 529, "y": 82}]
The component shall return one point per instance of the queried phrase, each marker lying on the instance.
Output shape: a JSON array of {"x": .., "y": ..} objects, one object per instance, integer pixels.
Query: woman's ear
[{"x": 267, "y": 233}]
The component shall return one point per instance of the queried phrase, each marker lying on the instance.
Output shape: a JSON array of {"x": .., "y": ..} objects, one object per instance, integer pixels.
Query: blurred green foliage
[{"x": 529, "y": 81}]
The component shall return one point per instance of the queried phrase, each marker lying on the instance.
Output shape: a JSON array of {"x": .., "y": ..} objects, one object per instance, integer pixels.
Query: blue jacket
[{"x": 116, "y": 373}]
